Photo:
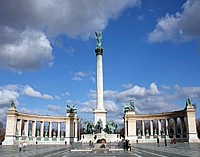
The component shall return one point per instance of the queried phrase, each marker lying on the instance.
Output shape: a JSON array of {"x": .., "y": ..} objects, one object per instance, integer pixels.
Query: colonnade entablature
[
  {"x": 39, "y": 129},
  {"x": 179, "y": 125}
]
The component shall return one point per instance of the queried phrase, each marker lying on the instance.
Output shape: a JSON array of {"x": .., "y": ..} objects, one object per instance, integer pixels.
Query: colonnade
[
  {"x": 161, "y": 127},
  {"x": 28, "y": 128},
  {"x": 179, "y": 125}
]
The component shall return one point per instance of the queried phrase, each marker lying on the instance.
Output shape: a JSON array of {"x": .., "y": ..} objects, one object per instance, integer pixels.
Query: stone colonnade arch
[
  {"x": 179, "y": 125},
  {"x": 38, "y": 129}
]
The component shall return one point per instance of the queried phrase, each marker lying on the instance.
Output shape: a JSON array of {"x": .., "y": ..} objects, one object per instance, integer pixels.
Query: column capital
[{"x": 99, "y": 51}]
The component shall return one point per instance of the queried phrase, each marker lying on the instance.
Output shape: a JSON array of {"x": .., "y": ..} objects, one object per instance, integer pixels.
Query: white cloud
[
  {"x": 27, "y": 26},
  {"x": 55, "y": 108},
  {"x": 130, "y": 85},
  {"x": 6, "y": 96},
  {"x": 110, "y": 106},
  {"x": 27, "y": 50},
  {"x": 79, "y": 76},
  {"x": 27, "y": 111},
  {"x": 66, "y": 94},
  {"x": 88, "y": 106},
  {"x": 29, "y": 91},
  {"x": 180, "y": 27}
]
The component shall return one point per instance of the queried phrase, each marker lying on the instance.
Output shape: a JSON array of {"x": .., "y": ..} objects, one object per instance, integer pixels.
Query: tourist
[
  {"x": 165, "y": 141},
  {"x": 124, "y": 144},
  {"x": 129, "y": 145},
  {"x": 24, "y": 146},
  {"x": 20, "y": 147},
  {"x": 158, "y": 141},
  {"x": 127, "y": 142}
]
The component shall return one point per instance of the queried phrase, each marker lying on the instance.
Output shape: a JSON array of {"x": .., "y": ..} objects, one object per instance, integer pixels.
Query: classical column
[
  {"x": 143, "y": 130},
  {"x": 75, "y": 129},
  {"x": 67, "y": 127},
  {"x": 100, "y": 112},
  {"x": 151, "y": 127},
  {"x": 181, "y": 126},
  {"x": 41, "y": 129},
  {"x": 159, "y": 127},
  {"x": 26, "y": 127},
  {"x": 50, "y": 129},
  {"x": 167, "y": 127},
  {"x": 174, "y": 126},
  {"x": 58, "y": 130},
  {"x": 19, "y": 125},
  {"x": 33, "y": 128}
]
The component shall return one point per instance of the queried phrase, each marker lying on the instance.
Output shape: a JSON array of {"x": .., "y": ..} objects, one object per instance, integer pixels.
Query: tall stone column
[
  {"x": 33, "y": 128},
  {"x": 19, "y": 125},
  {"x": 143, "y": 130},
  {"x": 167, "y": 127},
  {"x": 26, "y": 127},
  {"x": 50, "y": 129},
  {"x": 159, "y": 127},
  {"x": 174, "y": 127},
  {"x": 58, "y": 129},
  {"x": 41, "y": 129},
  {"x": 181, "y": 126},
  {"x": 100, "y": 112},
  {"x": 151, "y": 127}
]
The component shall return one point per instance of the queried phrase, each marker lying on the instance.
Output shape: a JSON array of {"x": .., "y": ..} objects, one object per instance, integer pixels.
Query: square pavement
[{"x": 83, "y": 150}]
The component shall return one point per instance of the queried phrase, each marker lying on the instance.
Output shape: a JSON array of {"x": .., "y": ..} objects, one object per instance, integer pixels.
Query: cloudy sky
[{"x": 47, "y": 59}]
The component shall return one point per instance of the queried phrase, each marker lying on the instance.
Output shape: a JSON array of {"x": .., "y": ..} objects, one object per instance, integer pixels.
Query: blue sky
[{"x": 47, "y": 59}]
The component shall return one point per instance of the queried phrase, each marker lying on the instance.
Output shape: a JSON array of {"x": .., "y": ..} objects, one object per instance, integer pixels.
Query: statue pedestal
[{"x": 108, "y": 137}]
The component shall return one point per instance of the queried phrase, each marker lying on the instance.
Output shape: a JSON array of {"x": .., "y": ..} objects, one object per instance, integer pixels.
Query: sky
[{"x": 47, "y": 55}]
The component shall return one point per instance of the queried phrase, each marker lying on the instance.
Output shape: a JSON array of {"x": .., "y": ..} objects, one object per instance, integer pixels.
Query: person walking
[
  {"x": 158, "y": 141},
  {"x": 165, "y": 141}
]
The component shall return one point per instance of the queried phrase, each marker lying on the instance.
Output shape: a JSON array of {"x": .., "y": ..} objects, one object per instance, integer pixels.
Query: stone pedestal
[
  {"x": 108, "y": 137},
  {"x": 191, "y": 124}
]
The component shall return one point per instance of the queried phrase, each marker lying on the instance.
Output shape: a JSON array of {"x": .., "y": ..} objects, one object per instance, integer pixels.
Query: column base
[
  {"x": 192, "y": 137},
  {"x": 100, "y": 114},
  {"x": 9, "y": 140}
]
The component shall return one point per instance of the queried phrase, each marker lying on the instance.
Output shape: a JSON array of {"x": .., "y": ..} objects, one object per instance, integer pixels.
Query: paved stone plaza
[{"x": 138, "y": 150}]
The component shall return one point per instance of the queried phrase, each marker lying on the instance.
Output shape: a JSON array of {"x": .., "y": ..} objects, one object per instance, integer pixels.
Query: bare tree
[{"x": 2, "y": 132}]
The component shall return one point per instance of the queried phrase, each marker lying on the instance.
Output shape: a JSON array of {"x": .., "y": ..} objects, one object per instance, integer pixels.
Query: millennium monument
[
  {"x": 143, "y": 128},
  {"x": 100, "y": 112}
]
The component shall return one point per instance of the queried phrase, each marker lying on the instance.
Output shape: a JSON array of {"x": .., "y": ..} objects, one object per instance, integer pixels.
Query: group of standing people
[
  {"x": 22, "y": 145},
  {"x": 127, "y": 145}
]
